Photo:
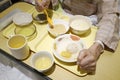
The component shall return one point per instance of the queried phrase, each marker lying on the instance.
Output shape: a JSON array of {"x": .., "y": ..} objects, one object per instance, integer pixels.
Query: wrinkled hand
[
  {"x": 87, "y": 58},
  {"x": 41, "y": 4}
]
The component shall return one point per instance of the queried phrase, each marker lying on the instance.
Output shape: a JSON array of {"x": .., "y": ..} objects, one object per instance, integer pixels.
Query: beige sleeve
[{"x": 108, "y": 24}]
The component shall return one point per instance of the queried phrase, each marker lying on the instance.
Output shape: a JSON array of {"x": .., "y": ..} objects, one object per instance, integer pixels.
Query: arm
[
  {"x": 108, "y": 24},
  {"x": 87, "y": 58},
  {"x": 108, "y": 33}
]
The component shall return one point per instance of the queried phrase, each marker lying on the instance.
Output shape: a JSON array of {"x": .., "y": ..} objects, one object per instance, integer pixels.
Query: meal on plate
[
  {"x": 67, "y": 47},
  {"x": 58, "y": 29}
]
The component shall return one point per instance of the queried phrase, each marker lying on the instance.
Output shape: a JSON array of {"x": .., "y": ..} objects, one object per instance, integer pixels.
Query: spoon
[{"x": 48, "y": 18}]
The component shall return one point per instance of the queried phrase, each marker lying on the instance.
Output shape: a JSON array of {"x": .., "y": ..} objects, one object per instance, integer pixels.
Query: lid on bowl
[{"x": 22, "y": 18}]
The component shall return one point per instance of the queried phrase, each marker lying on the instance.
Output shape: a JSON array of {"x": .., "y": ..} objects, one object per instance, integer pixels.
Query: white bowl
[
  {"x": 80, "y": 24},
  {"x": 22, "y": 18},
  {"x": 67, "y": 47},
  {"x": 42, "y": 61},
  {"x": 61, "y": 22}
]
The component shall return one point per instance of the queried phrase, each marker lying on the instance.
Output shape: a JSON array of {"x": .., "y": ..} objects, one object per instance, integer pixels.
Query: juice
[{"x": 43, "y": 63}]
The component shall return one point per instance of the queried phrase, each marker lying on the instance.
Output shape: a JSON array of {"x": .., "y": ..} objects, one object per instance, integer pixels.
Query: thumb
[{"x": 81, "y": 56}]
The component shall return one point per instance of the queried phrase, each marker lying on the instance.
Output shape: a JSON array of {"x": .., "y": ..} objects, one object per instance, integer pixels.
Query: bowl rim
[
  {"x": 37, "y": 54},
  {"x": 34, "y": 15},
  {"x": 34, "y": 27},
  {"x": 75, "y": 17},
  {"x": 57, "y": 21}
]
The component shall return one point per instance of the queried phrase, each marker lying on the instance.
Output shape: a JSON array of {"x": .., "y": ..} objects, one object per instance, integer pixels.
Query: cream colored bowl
[
  {"x": 80, "y": 24},
  {"x": 42, "y": 61},
  {"x": 59, "y": 27}
]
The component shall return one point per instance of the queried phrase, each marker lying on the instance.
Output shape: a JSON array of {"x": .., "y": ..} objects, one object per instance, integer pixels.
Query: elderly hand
[
  {"x": 42, "y": 4},
  {"x": 87, "y": 58}
]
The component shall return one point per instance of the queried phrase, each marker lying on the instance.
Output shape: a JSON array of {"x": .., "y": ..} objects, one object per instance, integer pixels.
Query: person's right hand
[
  {"x": 87, "y": 58},
  {"x": 41, "y": 5}
]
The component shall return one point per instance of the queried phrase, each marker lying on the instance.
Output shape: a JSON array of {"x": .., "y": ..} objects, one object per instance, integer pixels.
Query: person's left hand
[
  {"x": 41, "y": 4},
  {"x": 87, "y": 58}
]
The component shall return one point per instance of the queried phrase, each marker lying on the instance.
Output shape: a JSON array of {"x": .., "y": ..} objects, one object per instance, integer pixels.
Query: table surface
[{"x": 108, "y": 65}]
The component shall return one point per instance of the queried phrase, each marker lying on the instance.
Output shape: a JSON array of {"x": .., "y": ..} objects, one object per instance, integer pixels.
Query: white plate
[{"x": 69, "y": 43}]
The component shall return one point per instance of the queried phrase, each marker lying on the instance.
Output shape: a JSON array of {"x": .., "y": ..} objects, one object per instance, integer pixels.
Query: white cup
[
  {"x": 43, "y": 61},
  {"x": 18, "y": 46}
]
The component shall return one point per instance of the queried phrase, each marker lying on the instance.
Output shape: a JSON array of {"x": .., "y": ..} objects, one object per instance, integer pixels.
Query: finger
[
  {"x": 46, "y": 3},
  {"x": 89, "y": 70},
  {"x": 40, "y": 3},
  {"x": 39, "y": 6},
  {"x": 39, "y": 9},
  {"x": 90, "y": 65},
  {"x": 81, "y": 55},
  {"x": 46, "y": 6},
  {"x": 87, "y": 60}
]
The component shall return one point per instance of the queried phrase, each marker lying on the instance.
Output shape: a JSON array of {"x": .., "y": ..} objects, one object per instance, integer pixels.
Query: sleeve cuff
[{"x": 101, "y": 43}]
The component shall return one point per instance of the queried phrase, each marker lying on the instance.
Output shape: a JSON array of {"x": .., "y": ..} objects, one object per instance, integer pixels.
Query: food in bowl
[
  {"x": 80, "y": 24},
  {"x": 59, "y": 27},
  {"x": 39, "y": 17},
  {"x": 67, "y": 47},
  {"x": 42, "y": 61}
]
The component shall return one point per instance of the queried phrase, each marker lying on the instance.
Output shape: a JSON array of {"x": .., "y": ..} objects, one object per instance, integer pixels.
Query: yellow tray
[{"x": 43, "y": 41}]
